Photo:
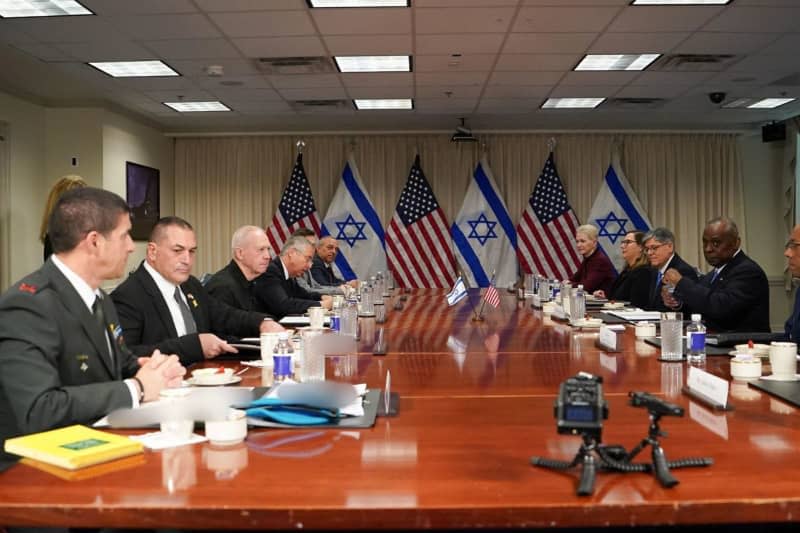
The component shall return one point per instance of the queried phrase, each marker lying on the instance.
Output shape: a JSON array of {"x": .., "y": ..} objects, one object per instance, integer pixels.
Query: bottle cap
[
  {"x": 696, "y": 317},
  {"x": 283, "y": 336}
]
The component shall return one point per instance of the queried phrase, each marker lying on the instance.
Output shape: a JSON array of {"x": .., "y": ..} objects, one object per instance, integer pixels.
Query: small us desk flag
[
  {"x": 483, "y": 233},
  {"x": 419, "y": 250},
  {"x": 295, "y": 210},
  {"x": 491, "y": 296},
  {"x": 615, "y": 212},
  {"x": 353, "y": 222},
  {"x": 546, "y": 231}
]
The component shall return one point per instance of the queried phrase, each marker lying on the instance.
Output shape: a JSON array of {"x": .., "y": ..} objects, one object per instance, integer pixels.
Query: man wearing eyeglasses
[
  {"x": 734, "y": 295},
  {"x": 659, "y": 245},
  {"x": 277, "y": 291},
  {"x": 792, "y": 253}
]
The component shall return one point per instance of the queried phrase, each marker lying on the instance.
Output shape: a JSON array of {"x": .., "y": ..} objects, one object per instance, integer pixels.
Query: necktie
[
  {"x": 714, "y": 276},
  {"x": 658, "y": 278},
  {"x": 188, "y": 319},
  {"x": 100, "y": 319}
]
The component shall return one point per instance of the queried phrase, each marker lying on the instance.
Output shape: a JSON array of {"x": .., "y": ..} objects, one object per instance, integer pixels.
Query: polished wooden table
[{"x": 476, "y": 404}]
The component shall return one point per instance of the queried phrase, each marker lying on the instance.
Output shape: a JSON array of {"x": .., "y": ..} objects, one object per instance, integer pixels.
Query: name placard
[
  {"x": 712, "y": 387},
  {"x": 610, "y": 337}
]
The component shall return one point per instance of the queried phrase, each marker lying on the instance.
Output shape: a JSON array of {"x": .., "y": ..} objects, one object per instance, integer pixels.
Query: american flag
[
  {"x": 546, "y": 231},
  {"x": 419, "y": 250},
  {"x": 491, "y": 296},
  {"x": 295, "y": 210}
]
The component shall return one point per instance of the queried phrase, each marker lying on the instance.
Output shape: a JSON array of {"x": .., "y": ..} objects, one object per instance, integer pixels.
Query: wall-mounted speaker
[{"x": 773, "y": 132}]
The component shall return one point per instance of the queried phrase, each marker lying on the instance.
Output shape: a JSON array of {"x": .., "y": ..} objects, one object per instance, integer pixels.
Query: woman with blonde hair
[
  {"x": 596, "y": 271},
  {"x": 64, "y": 184},
  {"x": 633, "y": 283}
]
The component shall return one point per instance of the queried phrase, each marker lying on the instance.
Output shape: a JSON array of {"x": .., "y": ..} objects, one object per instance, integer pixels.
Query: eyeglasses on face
[
  {"x": 791, "y": 245},
  {"x": 652, "y": 248},
  {"x": 626, "y": 242}
]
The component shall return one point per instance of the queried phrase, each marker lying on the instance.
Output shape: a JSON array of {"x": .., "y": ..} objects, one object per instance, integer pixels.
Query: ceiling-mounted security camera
[
  {"x": 717, "y": 97},
  {"x": 463, "y": 134}
]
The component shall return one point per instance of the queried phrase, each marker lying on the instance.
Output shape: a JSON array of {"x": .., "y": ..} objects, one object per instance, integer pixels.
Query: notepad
[{"x": 73, "y": 447}]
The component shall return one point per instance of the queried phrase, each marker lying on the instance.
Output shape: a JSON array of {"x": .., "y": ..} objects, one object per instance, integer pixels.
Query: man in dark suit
[
  {"x": 734, "y": 296},
  {"x": 792, "y": 254},
  {"x": 321, "y": 269},
  {"x": 278, "y": 292},
  {"x": 62, "y": 356},
  {"x": 234, "y": 284},
  {"x": 659, "y": 245},
  {"x": 162, "y": 306}
]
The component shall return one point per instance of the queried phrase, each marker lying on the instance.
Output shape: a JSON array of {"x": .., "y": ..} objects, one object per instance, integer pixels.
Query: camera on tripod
[
  {"x": 580, "y": 407},
  {"x": 654, "y": 404}
]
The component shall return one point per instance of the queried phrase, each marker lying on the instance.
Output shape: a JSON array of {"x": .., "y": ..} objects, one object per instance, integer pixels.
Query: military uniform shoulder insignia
[{"x": 24, "y": 287}]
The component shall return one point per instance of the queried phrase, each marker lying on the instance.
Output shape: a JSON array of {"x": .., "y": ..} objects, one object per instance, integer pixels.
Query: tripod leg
[
  {"x": 662, "y": 468},
  {"x": 586, "y": 484}
]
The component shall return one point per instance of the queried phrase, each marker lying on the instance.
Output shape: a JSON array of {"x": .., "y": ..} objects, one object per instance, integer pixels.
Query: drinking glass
[{"x": 672, "y": 336}]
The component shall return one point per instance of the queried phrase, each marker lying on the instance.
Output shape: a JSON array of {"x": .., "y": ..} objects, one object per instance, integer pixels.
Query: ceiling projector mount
[{"x": 463, "y": 134}]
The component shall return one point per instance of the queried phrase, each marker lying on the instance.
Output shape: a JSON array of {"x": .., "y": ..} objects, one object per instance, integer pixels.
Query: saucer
[
  {"x": 323, "y": 328},
  {"x": 772, "y": 377},
  {"x": 587, "y": 325},
  {"x": 230, "y": 381}
]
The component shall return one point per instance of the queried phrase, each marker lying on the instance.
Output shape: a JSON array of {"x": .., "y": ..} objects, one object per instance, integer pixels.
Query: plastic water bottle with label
[
  {"x": 577, "y": 305},
  {"x": 696, "y": 340},
  {"x": 283, "y": 368}
]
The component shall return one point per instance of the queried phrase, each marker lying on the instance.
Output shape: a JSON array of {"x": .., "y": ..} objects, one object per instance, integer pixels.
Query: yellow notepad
[{"x": 73, "y": 447}]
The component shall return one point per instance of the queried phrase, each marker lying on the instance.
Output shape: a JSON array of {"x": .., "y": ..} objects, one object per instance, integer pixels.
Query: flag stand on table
[
  {"x": 491, "y": 296},
  {"x": 457, "y": 293}
]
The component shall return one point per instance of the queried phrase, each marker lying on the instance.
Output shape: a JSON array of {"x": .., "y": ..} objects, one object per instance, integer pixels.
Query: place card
[
  {"x": 707, "y": 388},
  {"x": 610, "y": 337}
]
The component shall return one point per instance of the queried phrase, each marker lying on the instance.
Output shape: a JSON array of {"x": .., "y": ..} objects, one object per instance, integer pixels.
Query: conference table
[{"x": 475, "y": 404}]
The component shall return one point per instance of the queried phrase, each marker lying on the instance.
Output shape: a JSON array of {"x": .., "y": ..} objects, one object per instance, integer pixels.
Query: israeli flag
[
  {"x": 616, "y": 211},
  {"x": 458, "y": 293},
  {"x": 353, "y": 222},
  {"x": 483, "y": 234}
]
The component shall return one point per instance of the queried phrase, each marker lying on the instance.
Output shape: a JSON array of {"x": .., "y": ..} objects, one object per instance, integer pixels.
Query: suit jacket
[
  {"x": 595, "y": 273},
  {"x": 280, "y": 296},
  {"x": 147, "y": 323},
  {"x": 737, "y": 300},
  {"x": 55, "y": 369},
  {"x": 322, "y": 272},
  {"x": 231, "y": 287},
  {"x": 656, "y": 303},
  {"x": 792, "y": 326},
  {"x": 632, "y": 285}
]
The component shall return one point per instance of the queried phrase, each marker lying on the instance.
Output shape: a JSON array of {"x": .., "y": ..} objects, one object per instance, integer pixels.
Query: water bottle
[
  {"x": 696, "y": 340},
  {"x": 349, "y": 319},
  {"x": 577, "y": 304},
  {"x": 282, "y": 357},
  {"x": 566, "y": 296}
]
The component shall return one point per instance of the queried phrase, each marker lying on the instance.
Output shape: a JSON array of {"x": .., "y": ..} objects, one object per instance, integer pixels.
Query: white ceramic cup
[
  {"x": 783, "y": 360},
  {"x": 316, "y": 317},
  {"x": 180, "y": 429},
  {"x": 230, "y": 431}
]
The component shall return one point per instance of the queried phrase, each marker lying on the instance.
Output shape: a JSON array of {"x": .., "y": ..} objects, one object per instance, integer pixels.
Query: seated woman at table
[
  {"x": 596, "y": 271},
  {"x": 633, "y": 283}
]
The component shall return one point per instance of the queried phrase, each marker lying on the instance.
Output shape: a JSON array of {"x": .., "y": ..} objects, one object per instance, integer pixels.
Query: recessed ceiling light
[
  {"x": 770, "y": 103},
  {"x": 373, "y": 63},
  {"x": 197, "y": 107},
  {"x": 680, "y": 2},
  {"x": 41, "y": 8},
  {"x": 616, "y": 61},
  {"x": 396, "y": 103},
  {"x": 358, "y": 3},
  {"x": 134, "y": 69},
  {"x": 572, "y": 103}
]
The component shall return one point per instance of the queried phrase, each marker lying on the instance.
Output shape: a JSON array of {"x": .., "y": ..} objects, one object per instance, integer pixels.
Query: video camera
[
  {"x": 653, "y": 404},
  {"x": 580, "y": 407}
]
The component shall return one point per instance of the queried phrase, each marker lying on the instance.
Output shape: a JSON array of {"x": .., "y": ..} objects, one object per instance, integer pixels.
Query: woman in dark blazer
[{"x": 633, "y": 283}]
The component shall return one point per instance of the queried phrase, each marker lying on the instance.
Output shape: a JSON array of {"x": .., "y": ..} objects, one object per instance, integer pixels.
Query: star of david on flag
[
  {"x": 296, "y": 209},
  {"x": 351, "y": 219},
  {"x": 483, "y": 234},
  {"x": 616, "y": 211}
]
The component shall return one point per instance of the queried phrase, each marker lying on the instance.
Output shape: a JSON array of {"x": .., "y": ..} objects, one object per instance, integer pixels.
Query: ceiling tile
[
  {"x": 254, "y": 107},
  {"x": 662, "y": 18},
  {"x": 517, "y": 91},
  {"x": 110, "y": 50},
  {"x": 752, "y": 19},
  {"x": 672, "y": 78},
  {"x": 212, "y": 83},
  {"x": 192, "y": 95},
  {"x": 508, "y": 105},
  {"x": 651, "y": 91},
  {"x": 563, "y": 19},
  {"x": 787, "y": 44},
  {"x": 637, "y": 43},
  {"x": 152, "y": 27},
  {"x": 599, "y": 78},
  {"x": 765, "y": 63},
  {"x": 249, "y": 5},
  {"x": 462, "y": 20},
  {"x": 441, "y": 91},
  {"x": 445, "y": 105},
  {"x": 157, "y": 84},
  {"x": 487, "y": 43},
  {"x": 380, "y": 92},
  {"x": 447, "y": 63},
  {"x": 724, "y": 43},
  {"x": 192, "y": 49},
  {"x": 362, "y": 21},
  {"x": 548, "y": 43},
  {"x": 464, "y": 3},
  {"x": 551, "y": 62},
  {"x": 352, "y": 45},
  {"x": 305, "y": 80},
  {"x": 62, "y": 29},
  {"x": 319, "y": 93},
  {"x": 280, "y": 47},
  {"x": 264, "y": 23},
  {"x": 231, "y": 67},
  {"x": 525, "y": 78},
  {"x": 455, "y": 78},
  {"x": 139, "y": 7},
  {"x": 44, "y": 52},
  {"x": 576, "y": 2},
  {"x": 380, "y": 79},
  {"x": 246, "y": 95}
]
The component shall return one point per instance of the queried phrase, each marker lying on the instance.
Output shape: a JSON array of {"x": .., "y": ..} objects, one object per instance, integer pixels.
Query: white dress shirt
[{"x": 167, "y": 290}]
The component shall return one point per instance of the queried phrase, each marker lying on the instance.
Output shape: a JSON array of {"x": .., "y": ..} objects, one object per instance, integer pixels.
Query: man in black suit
[
  {"x": 792, "y": 254},
  {"x": 321, "y": 269},
  {"x": 63, "y": 360},
  {"x": 162, "y": 306},
  {"x": 734, "y": 296},
  {"x": 659, "y": 245},
  {"x": 234, "y": 284},
  {"x": 278, "y": 292}
]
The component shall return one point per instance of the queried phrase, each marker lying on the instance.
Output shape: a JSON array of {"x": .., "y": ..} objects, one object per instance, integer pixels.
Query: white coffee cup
[
  {"x": 316, "y": 317},
  {"x": 783, "y": 360}
]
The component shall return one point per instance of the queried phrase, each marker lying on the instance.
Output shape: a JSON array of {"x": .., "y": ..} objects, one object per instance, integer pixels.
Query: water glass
[{"x": 672, "y": 336}]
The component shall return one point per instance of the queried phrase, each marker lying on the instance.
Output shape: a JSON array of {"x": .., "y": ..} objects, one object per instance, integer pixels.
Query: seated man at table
[
  {"x": 63, "y": 360},
  {"x": 234, "y": 283},
  {"x": 277, "y": 290},
  {"x": 792, "y": 254},
  {"x": 321, "y": 269},
  {"x": 307, "y": 281},
  {"x": 734, "y": 296},
  {"x": 659, "y": 245},
  {"x": 162, "y": 306}
]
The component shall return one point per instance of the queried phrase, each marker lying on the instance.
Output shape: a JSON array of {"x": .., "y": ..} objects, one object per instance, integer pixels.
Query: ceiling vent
[
  {"x": 634, "y": 103},
  {"x": 320, "y": 105},
  {"x": 294, "y": 65},
  {"x": 694, "y": 62}
]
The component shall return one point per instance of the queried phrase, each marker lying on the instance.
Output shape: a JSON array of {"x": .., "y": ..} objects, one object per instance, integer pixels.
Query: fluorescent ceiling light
[
  {"x": 41, "y": 8},
  {"x": 197, "y": 107},
  {"x": 616, "y": 61},
  {"x": 358, "y": 3},
  {"x": 134, "y": 69},
  {"x": 373, "y": 63},
  {"x": 572, "y": 103},
  {"x": 396, "y": 103},
  {"x": 770, "y": 103},
  {"x": 680, "y": 2},
  {"x": 738, "y": 103}
]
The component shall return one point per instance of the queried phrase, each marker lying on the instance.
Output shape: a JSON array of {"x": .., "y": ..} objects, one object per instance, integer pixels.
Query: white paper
[
  {"x": 634, "y": 316},
  {"x": 301, "y": 321}
]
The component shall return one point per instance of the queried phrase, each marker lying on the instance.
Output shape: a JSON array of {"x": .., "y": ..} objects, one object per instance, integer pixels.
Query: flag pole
[
  {"x": 300, "y": 145},
  {"x": 483, "y": 302},
  {"x": 464, "y": 279}
]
